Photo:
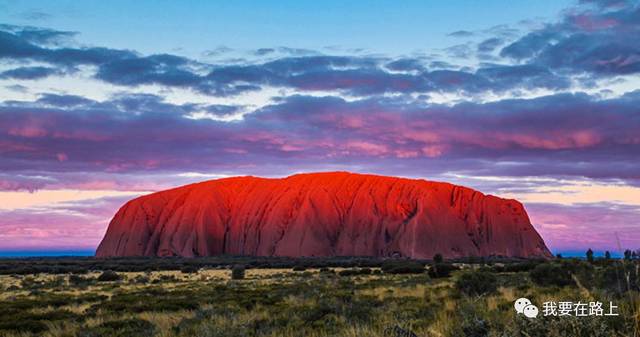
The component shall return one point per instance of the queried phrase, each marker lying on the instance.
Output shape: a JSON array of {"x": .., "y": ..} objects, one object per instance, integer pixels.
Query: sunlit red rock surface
[{"x": 322, "y": 214}]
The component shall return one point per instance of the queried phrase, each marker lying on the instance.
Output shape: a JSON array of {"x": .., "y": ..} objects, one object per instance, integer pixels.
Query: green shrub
[
  {"x": 124, "y": 328},
  {"x": 551, "y": 274},
  {"x": 476, "y": 283},
  {"x": 24, "y": 325},
  {"x": 141, "y": 279},
  {"x": 189, "y": 269},
  {"x": 299, "y": 268},
  {"x": 440, "y": 270},
  {"x": 109, "y": 276},
  {"x": 438, "y": 258},
  {"x": 348, "y": 272},
  {"x": 397, "y": 331},
  {"x": 80, "y": 281},
  {"x": 583, "y": 271},
  {"x": 237, "y": 272},
  {"x": 402, "y": 267},
  {"x": 520, "y": 267},
  {"x": 20, "y": 320},
  {"x": 150, "y": 300},
  {"x": 619, "y": 278},
  {"x": 355, "y": 271},
  {"x": 475, "y": 327}
]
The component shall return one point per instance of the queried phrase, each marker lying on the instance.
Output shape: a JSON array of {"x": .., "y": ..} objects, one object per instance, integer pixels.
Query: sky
[{"x": 101, "y": 102}]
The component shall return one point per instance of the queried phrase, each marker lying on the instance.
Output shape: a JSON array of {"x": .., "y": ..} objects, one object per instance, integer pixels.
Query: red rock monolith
[{"x": 322, "y": 214}]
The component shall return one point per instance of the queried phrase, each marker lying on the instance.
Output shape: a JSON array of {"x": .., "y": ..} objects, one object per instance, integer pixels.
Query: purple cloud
[
  {"x": 594, "y": 40},
  {"x": 136, "y": 133},
  {"x": 67, "y": 225},
  {"x": 597, "y": 226},
  {"x": 305, "y": 72}
]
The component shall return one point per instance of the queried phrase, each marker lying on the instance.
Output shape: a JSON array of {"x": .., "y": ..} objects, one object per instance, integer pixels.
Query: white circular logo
[
  {"x": 520, "y": 304},
  {"x": 531, "y": 311}
]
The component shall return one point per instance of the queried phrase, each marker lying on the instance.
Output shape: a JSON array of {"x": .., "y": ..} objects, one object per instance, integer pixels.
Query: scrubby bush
[
  {"x": 80, "y": 281},
  {"x": 348, "y": 272},
  {"x": 141, "y": 279},
  {"x": 25, "y": 321},
  {"x": 124, "y": 328},
  {"x": 30, "y": 283},
  {"x": 581, "y": 270},
  {"x": 299, "y": 268},
  {"x": 189, "y": 269},
  {"x": 396, "y": 330},
  {"x": 476, "y": 283},
  {"x": 520, "y": 267},
  {"x": 355, "y": 271},
  {"x": 438, "y": 258},
  {"x": 619, "y": 278},
  {"x": 165, "y": 278},
  {"x": 237, "y": 272},
  {"x": 109, "y": 276},
  {"x": 589, "y": 255},
  {"x": 440, "y": 270},
  {"x": 551, "y": 274},
  {"x": 402, "y": 267},
  {"x": 475, "y": 327}
]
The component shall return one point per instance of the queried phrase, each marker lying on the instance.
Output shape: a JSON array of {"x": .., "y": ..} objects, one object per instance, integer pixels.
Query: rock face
[{"x": 322, "y": 214}]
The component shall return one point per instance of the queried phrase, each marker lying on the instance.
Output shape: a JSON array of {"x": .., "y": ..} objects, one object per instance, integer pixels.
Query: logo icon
[{"x": 524, "y": 306}]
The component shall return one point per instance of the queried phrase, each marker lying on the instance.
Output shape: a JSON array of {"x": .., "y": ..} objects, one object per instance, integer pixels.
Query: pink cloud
[
  {"x": 433, "y": 151},
  {"x": 77, "y": 225},
  {"x": 28, "y": 131},
  {"x": 590, "y": 22},
  {"x": 552, "y": 140},
  {"x": 366, "y": 148},
  {"x": 581, "y": 226},
  {"x": 62, "y": 157}
]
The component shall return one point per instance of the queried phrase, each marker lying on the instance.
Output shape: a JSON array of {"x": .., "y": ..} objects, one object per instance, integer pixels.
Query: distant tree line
[
  {"x": 437, "y": 266},
  {"x": 82, "y": 265}
]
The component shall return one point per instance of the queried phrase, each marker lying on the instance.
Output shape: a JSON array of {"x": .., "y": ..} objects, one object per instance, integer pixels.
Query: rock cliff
[{"x": 322, "y": 214}]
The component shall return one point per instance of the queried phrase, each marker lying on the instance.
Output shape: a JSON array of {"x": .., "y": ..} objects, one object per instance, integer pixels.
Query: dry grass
[{"x": 436, "y": 299}]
